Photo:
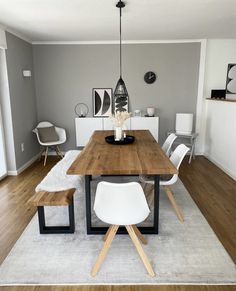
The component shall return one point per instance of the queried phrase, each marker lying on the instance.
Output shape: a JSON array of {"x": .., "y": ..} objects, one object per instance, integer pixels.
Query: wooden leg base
[
  {"x": 174, "y": 204},
  {"x": 134, "y": 234}
]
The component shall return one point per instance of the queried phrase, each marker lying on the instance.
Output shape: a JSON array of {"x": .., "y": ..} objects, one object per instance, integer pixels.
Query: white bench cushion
[{"x": 57, "y": 179}]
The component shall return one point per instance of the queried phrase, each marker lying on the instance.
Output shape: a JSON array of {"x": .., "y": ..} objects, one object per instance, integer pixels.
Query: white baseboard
[
  {"x": 199, "y": 154},
  {"x": 223, "y": 168},
  {"x": 25, "y": 166}
]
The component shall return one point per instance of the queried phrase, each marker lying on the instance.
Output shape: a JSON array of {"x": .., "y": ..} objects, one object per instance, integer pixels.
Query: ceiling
[{"x": 97, "y": 20}]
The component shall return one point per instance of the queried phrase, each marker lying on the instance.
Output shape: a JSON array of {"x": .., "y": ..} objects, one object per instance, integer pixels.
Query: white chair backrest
[
  {"x": 168, "y": 143},
  {"x": 44, "y": 124},
  {"x": 178, "y": 155},
  {"x": 121, "y": 193},
  {"x": 120, "y": 203}
]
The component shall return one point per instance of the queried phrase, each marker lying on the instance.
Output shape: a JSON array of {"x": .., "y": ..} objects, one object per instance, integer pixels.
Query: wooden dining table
[{"x": 143, "y": 157}]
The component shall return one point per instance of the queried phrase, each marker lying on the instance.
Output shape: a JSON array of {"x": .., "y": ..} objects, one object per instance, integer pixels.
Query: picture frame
[
  {"x": 102, "y": 101},
  {"x": 231, "y": 81}
]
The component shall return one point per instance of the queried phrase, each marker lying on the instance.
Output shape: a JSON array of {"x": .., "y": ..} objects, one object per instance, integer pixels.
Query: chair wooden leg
[
  {"x": 107, "y": 233},
  {"x": 104, "y": 250},
  {"x": 139, "y": 234},
  {"x": 41, "y": 153},
  {"x": 140, "y": 250},
  {"x": 174, "y": 204},
  {"x": 46, "y": 155},
  {"x": 59, "y": 152}
]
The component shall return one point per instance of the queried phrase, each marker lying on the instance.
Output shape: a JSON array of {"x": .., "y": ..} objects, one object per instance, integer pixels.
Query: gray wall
[
  {"x": 19, "y": 56},
  {"x": 66, "y": 74}
]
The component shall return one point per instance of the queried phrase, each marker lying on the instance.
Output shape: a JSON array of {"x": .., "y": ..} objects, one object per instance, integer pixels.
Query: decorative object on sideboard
[
  {"x": 26, "y": 73},
  {"x": 184, "y": 123},
  {"x": 218, "y": 93},
  {"x": 102, "y": 102},
  {"x": 137, "y": 113},
  {"x": 151, "y": 111},
  {"x": 118, "y": 119},
  {"x": 81, "y": 110},
  {"x": 150, "y": 77},
  {"x": 121, "y": 94},
  {"x": 231, "y": 81}
]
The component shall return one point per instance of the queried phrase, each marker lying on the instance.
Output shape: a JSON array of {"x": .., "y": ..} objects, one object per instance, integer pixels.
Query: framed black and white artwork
[
  {"x": 121, "y": 103},
  {"x": 102, "y": 102},
  {"x": 231, "y": 81}
]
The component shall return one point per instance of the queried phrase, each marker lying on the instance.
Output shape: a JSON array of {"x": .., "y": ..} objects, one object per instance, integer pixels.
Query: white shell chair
[
  {"x": 168, "y": 143},
  {"x": 176, "y": 158},
  {"x": 62, "y": 139},
  {"x": 121, "y": 204}
]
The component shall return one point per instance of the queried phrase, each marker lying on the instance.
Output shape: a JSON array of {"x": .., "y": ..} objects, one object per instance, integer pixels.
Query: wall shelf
[{"x": 222, "y": 100}]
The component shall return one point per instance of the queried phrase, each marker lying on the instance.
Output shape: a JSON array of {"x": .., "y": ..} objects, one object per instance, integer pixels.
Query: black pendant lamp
[{"x": 120, "y": 93}]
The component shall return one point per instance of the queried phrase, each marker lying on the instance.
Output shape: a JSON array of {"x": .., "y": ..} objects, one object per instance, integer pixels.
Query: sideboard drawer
[
  {"x": 150, "y": 123},
  {"x": 84, "y": 128}
]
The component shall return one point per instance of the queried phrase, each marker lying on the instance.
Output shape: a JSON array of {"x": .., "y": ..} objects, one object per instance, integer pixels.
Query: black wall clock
[{"x": 150, "y": 77}]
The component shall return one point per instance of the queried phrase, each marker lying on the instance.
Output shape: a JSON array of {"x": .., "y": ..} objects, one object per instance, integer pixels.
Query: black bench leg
[
  {"x": 43, "y": 229},
  {"x": 71, "y": 216}
]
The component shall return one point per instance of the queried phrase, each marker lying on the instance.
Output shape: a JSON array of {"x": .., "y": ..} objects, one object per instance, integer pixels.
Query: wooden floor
[
  {"x": 15, "y": 213},
  {"x": 213, "y": 191},
  {"x": 121, "y": 288}
]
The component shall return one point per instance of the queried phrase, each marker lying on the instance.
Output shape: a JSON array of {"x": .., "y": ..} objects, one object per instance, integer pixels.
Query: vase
[{"x": 118, "y": 133}]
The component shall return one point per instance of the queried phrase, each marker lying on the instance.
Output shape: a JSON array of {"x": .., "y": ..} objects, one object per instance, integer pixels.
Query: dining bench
[
  {"x": 57, "y": 189},
  {"x": 59, "y": 198}
]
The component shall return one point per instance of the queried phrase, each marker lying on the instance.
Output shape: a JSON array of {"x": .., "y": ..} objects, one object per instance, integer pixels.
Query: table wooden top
[{"x": 144, "y": 156}]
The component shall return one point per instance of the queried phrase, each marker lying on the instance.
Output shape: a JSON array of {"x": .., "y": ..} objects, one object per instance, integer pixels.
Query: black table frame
[{"x": 102, "y": 230}]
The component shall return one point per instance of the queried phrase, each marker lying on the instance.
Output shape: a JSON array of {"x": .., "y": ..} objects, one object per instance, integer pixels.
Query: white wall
[{"x": 220, "y": 117}]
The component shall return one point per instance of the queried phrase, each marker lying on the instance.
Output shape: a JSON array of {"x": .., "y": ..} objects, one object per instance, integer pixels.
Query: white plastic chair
[
  {"x": 62, "y": 139},
  {"x": 121, "y": 204},
  {"x": 168, "y": 143},
  {"x": 176, "y": 158}
]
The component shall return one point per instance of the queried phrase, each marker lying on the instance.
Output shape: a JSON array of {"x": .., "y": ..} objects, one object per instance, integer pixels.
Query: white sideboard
[{"x": 84, "y": 127}]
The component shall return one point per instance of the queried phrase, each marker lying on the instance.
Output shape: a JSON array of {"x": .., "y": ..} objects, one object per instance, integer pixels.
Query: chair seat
[
  {"x": 121, "y": 204},
  {"x": 52, "y": 143}
]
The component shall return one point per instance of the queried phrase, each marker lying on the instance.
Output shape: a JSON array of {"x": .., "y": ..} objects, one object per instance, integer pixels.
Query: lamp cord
[{"x": 120, "y": 48}]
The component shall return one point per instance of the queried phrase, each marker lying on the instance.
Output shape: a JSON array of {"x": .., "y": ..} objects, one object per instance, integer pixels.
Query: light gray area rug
[{"x": 181, "y": 253}]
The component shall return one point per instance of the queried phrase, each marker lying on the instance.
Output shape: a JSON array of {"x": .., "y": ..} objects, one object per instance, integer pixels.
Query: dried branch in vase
[{"x": 119, "y": 118}]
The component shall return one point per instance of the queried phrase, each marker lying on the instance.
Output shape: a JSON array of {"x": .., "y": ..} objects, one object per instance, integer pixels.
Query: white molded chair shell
[
  {"x": 176, "y": 158},
  {"x": 121, "y": 204},
  {"x": 60, "y": 132},
  {"x": 168, "y": 143}
]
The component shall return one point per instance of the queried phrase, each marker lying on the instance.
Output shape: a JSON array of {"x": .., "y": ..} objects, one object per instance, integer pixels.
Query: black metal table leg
[
  {"x": 88, "y": 203},
  {"x": 102, "y": 230},
  {"x": 156, "y": 203}
]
